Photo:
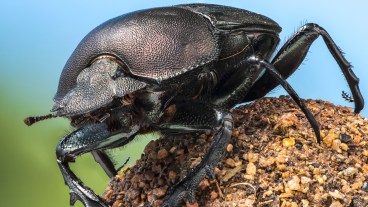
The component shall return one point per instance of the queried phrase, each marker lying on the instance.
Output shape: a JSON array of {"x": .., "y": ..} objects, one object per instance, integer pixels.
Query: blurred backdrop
[{"x": 37, "y": 37}]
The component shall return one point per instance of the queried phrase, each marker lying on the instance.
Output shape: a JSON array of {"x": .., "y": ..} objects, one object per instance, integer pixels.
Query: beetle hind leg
[{"x": 292, "y": 54}]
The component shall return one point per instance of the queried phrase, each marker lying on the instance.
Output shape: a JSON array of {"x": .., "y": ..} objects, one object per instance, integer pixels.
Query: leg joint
[{"x": 63, "y": 154}]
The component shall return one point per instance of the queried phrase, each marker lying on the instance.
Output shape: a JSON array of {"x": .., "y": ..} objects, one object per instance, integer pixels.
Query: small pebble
[
  {"x": 293, "y": 204},
  {"x": 230, "y": 162},
  {"x": 350, "y": 171},
  {"x": 344, "y": 147},
  {"x": 365, "y": 153},
  {"x": 285, "y": 174},
  {"x": 253, "y": 157},
  {"x": 180, "y": 152},
  {"x": 336, "y": 204},
  {"x": 287, "y": 120},
  {"x": 235, "y": 133},
  {"x": 281, "y": 159},
  {"x": 196, "y": 162},
  {"x": 159, "y": 192},
  {"x": 336, "y": 145},
  {"x": 172, "y": 175},
  {"x": 248, "y": 202},
  {"x": 329, "y": 139},
  {"x": 117, "y": 203},
  {"x": 316, "y": 171},
  {"x": 287, "y": 142},
  {"x": 229, "y": 148},
  {"x": 204, "y": 184},
  {"x": 305, "y": 203},
  {"x": 214, "y": 195},
  {"x": 156, "y": 203},
  {"x": 294, "y": 183},
  {"x": 152, "y": 155},
  {"x": 286, "y": 195},
  {"x": 281, "y": 167},
  {"x": 320, "y": 180},
  {"x": 305, "y": 180},
  {"x": 357, "y": 185},
  {"x": 162, "y": 154},
  {"x": 336, "y": 194},
  {"x": 251, "y": 169},
  {"x": 172, "y": 150}
]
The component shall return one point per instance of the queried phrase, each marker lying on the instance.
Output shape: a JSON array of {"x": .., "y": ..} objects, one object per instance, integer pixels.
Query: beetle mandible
[{"x": 176, "y": 69}]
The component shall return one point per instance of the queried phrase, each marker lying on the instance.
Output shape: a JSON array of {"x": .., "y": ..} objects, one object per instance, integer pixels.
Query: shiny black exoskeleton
[{"x": 174, "y": 69}]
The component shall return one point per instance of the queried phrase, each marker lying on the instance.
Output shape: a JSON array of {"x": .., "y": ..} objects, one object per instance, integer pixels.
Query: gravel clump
[{"x": 273, "y": 159}]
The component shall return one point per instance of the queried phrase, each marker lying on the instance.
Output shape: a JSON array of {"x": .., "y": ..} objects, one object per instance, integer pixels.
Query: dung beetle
[{"x": 176, "y": 69}]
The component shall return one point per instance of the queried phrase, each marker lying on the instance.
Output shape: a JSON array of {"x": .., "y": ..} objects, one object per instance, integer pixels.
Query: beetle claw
[
  {"x": 210, "y": 171},
  {"x": 73, "y": 198},
  {"x": 77, "y": 192},
  {"x": 88, "y": 202}
]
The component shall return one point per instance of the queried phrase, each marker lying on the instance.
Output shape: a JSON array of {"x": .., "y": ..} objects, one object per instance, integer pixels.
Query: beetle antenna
[
  {"x": 33, "y": 119},
  {"x": 347, "y": 97}
]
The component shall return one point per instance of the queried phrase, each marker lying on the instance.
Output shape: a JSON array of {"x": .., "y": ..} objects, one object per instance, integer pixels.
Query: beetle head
[
  {"x": 99, "y": 89},
  {"x": 96, "y": 87}
]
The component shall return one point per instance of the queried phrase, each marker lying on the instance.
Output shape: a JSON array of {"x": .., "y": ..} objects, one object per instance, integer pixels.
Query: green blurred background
[{"x": 37, "y": 37}]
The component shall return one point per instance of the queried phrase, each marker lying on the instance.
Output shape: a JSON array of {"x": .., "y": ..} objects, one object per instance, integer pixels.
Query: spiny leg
[
  {"x": 292, "y": 54},
  {"x": 105, "y": 161},
  {"x": 90, "y": 137},
  {"x": 242, "y": 79},
  {"x": 277, "y": 76},
  {"x": 198, "y": 117}
]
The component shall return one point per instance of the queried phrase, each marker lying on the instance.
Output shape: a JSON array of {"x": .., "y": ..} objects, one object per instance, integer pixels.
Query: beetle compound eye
[
  {"x": 118, "y": 73},
  {"x": 121, "y": 66}
]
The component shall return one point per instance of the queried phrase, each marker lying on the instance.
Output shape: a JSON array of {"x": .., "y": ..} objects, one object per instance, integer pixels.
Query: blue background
[{"x": 37, "y": 37}]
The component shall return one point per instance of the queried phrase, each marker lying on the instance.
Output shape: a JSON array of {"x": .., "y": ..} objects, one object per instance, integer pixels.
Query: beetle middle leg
[
  {"x": 292, "y": 54},
  {"x": 89, "y": 137},
  {"x": 254, "y": 63},
  {"x": 192, "y": 117}
]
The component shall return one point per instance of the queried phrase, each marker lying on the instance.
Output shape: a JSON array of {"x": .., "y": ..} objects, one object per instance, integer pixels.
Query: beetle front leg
[
  {"x": 292, "y": 54},
  {"x": 89, "y": 137},
  {"x": 192, "y": 117}
]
